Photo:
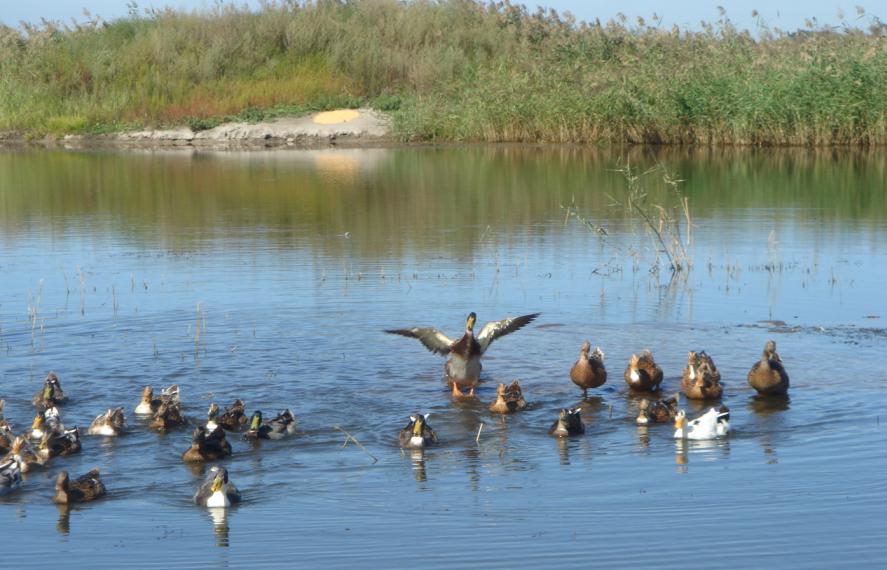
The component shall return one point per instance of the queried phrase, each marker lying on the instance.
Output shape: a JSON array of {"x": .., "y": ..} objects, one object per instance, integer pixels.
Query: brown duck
[
  {"x": 51, "y": 393},
  {"x": 767, "y": 376},
  {"x": 642, "y": 373},
  {"x": 463, "y": 367},
  {"x": 509, "y": 399},
  {"x": 81, "y": 490},
  {"x": 207, "y": 446},
  {"x": 168, "y": 415},
  {"x": 701, "y": 379},
  {"x": 569, "y": 422},
  {"x": 589, "y": 371},
  {"x": 660, "y": 411}
]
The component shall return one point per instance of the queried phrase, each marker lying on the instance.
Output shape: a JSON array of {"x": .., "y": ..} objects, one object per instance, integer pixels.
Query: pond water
[{"x": 269, "y": 276}]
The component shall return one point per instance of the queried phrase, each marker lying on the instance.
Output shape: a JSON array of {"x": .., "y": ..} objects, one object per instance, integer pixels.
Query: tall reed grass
[{"x": 460, "y": 70}]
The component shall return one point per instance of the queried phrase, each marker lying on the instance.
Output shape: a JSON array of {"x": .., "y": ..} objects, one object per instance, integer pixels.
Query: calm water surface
[{"x": 269, "y": 276}]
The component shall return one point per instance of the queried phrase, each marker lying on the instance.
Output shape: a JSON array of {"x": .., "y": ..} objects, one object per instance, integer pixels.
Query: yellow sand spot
[{"x": 335, "y": 117}]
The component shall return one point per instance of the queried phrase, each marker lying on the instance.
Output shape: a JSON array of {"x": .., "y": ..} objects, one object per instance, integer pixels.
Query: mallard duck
[
  {"x": 10, "y": 476},
  {"x": 216, "y": 490},
  {"x": 463, "y": 367},
  {"x": 55, "y": 444},
  {"x": 6, "y": 436},
  {"x": 660, "y": 411},
  {"x": 47, "y": 421},
  {"x": 168, "y": 415},
  {"x": 642, "y": 373},
  {"x": 149, "y": 404},
  {"x": 111, "y": 423},
  {"x": 281, "y": 426},
  {"x": 232, "y": 419},
  {"x": 710, "y": 425},
  {"x": 51, "y": 394},
  {"x": 23, "y": 454},
  {"x": 509, "y": 399},
  {"x": 701, "y": 379},
  {"x": 768, "y": 376},
  {"x": 589, "y": 371},
  {"x": 207, "y": 446},
  {"x": 417, "y": 434},
  {"x": 81, "y": 490},
  {"x": 568, "y": 422}
]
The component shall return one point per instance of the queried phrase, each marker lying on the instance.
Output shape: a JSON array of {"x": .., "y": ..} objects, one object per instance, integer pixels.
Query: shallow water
[{"x": 269, "y": 276}]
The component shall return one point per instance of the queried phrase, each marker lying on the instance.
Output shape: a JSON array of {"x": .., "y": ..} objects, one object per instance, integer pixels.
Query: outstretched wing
[
  {"x": 433, "y": 339},
  {"x": 494, "y": 330}
]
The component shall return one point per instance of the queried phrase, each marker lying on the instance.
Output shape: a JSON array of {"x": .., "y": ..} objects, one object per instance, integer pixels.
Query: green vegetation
[{"x": 450, "y": 70}]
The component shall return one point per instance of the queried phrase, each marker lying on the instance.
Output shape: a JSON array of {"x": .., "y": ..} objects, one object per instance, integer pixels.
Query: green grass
[{"x": 450, "y": 70}]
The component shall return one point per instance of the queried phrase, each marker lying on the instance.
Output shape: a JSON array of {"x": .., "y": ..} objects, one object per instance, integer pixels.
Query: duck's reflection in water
[
  {"x": 63, "y": 526},
  {"x": 417, "y": 458},
  {"x": 219, "y": 517}
]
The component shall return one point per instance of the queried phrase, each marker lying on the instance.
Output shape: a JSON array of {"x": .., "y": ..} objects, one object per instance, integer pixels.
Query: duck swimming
[
  {"x": 768, "y": 376},
  {"x": 81, "y": 490},
  {"x": 232, "y": 419},
  {"x": 111, "y": 423},
  {"x": 701, "y": 379},
  {"x": 712, "y": 424},
  {"x": 167, "y": 416},
  {"x": 568, "y": 422},
  {"x": 464, "y": 366},
  {"x": 642, "y": 373},
  {"x": 23, "y": 454},
  {"x": 216, "y": 491},
  {"x": 417, "y": 434},
  {"x": 149, "y": 404},
  {"x": 589, "y": 371},
  {"x": 10, "y": 476},
  {"x": 51, "y": 394},
  {"x": 660, "y": 411},
  {"x": 47, "y": 421},
  {"x": 281, "y": 426},
  {"x": 509, "y": 399},
  {"x": 56, "y": 444},
  {"x": 207, "y": 446}
]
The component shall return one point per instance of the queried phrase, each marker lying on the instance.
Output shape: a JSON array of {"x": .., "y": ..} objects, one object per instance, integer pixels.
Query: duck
[
  {"x": 51, "y": 393},
  {"x": 642, "y": 373},
  {"x": 509, "y": 399},
  {"x": 10, "y": 476},
  {"x": 217, "y": 491},
  {"x": 568, "y": 422},
  {"x": 701, "y": 379},
  {"x": 168, "y": 415},
  {"x": 232, "y": 419},
  {"x": 47, "y": 421},
  {"x": 23, "y": 454},
  {"x": 463, "y": 367},
  {"x": 768, "y": 376},
  {"x": 54, "y": 444},
  {"x": 589, "y": 371},
  {"x": 207, "y": 446},
  {"x": 417, "y": 434},
  {"x": 281, "y": 426},
  {"x": 148, "y": 405},
  {"x": 713, "y": 424},
  {"x": 660, "y": 411},
  {"x": 112, "y": 423},
  {"x": 6, "y": 436},
  {"x": 83, "y": 489}
]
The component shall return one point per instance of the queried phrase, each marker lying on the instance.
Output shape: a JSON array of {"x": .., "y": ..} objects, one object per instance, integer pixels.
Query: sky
[{"x": 785, "y": 14}]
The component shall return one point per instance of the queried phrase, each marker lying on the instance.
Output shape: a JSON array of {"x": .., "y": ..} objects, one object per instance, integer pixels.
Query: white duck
[{"x": 710, "y": 425}]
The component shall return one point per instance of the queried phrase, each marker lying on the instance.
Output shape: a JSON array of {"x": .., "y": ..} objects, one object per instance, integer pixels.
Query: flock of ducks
[
  {"x": 700, "y": 381},
  {"x": 49, "y": 438}
]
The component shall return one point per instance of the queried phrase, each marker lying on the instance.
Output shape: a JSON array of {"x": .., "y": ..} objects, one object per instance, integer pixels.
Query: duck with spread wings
[{"x": 463, "y": 367}]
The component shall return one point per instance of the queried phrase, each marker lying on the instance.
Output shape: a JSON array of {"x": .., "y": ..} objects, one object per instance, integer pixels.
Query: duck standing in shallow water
[
  {"x": 589, "y": 371},
  {"x": 216, "y": 491},
  {"x": 281, "y": 426},
  {"x": 81, "y": 490},
  {"x": 710, "y": 425},
  {"x": 701, "y": 379},
  {"x": 642, "y": 373},
  {"x": 660, "y": 411},
  {"x": 112, "y": 423},
  {"x": 51, "y": 394},
  {"x": 509, "y": 399},
  {"x": 569, "y": 422},
  {"x": 418, "y": 434},
  {"x": 464, "y": 366},
  {"x": 768, "y": 376}
]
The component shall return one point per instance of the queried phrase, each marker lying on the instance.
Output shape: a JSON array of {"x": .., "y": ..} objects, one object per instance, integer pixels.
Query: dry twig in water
[{"x": 349, "y": 437}]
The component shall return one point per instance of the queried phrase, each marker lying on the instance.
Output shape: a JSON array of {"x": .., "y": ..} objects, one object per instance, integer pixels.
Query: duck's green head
[
  {"x": 469, "y": 324},
  {"x": 47, "y": 391},
  {"x": 256, "y": 421},
  {"x": 418, "y": 424},
  {"x": 38, "y": 422}
]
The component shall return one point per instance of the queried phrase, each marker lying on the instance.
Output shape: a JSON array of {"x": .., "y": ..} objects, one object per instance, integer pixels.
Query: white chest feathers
[
  {"x": 417, "y": 441},
  {"x": 218, "y": 499},
  {"x": 635, "y": 376},
  {"x": 692, "y": 372},
  {"x": 103, "y": 430}
]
